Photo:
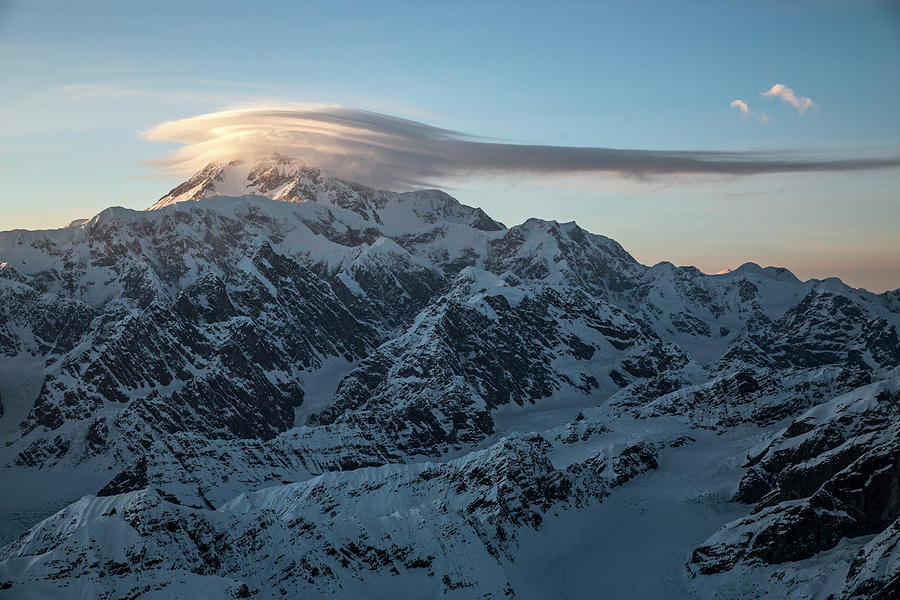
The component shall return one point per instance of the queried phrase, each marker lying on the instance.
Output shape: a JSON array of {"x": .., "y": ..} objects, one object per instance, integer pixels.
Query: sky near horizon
[{"x": 86, "y": 84}]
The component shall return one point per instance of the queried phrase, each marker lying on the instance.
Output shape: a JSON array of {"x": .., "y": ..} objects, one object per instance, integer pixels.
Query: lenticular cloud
[{"x": 395, "y": 153}]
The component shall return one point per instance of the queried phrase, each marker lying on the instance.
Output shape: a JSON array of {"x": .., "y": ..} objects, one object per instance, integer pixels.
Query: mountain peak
[
  {"x": 289, "y": 179},
  {"x": 274, "y": 175}
]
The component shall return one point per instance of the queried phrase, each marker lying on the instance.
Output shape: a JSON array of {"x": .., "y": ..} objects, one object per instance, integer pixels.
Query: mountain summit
[
  {"x": 275, "y": 176},
  {"x": 278, "y": 383}
]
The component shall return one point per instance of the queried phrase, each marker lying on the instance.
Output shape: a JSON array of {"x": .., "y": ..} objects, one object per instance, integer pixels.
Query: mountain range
[{"x": 276, "y": 383}]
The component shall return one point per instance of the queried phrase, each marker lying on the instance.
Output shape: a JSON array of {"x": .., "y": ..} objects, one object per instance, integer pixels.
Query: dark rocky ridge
[{"x": 833, "y": 473}]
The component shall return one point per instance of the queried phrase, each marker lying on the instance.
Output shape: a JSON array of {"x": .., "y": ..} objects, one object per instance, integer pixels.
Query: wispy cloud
[
  {"x": 392, "y": 152},
  {"x": 85, "y": 106},
  {"x": 779, "y": 90},
  {"x": 93, "y": 92}
]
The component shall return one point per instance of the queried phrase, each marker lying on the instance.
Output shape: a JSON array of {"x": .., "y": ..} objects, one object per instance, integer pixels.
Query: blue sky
[{"x": 83, "y": 79}]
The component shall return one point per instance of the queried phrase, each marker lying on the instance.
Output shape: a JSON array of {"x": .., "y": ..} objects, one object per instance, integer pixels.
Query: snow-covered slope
[{"x": 276, "y": 379}]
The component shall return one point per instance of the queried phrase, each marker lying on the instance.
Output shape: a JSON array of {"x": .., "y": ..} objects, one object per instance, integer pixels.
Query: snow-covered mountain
[{"x": 277, "y": 383}]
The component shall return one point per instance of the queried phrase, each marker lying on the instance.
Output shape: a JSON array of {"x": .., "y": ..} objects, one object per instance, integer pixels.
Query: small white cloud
[
  {"x": 746, "y": 112},
  {"x": 779, "y": 90},
  {"x": 740, "y": 105}
]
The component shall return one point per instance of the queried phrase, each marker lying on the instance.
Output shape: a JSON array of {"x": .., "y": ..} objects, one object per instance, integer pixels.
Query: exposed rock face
[
  {"x": 824, "y": 328},
  {"x": 833, "y": 473},
  {"x": 503, "y": 347},
  {"x": 331, "y": 390}
]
